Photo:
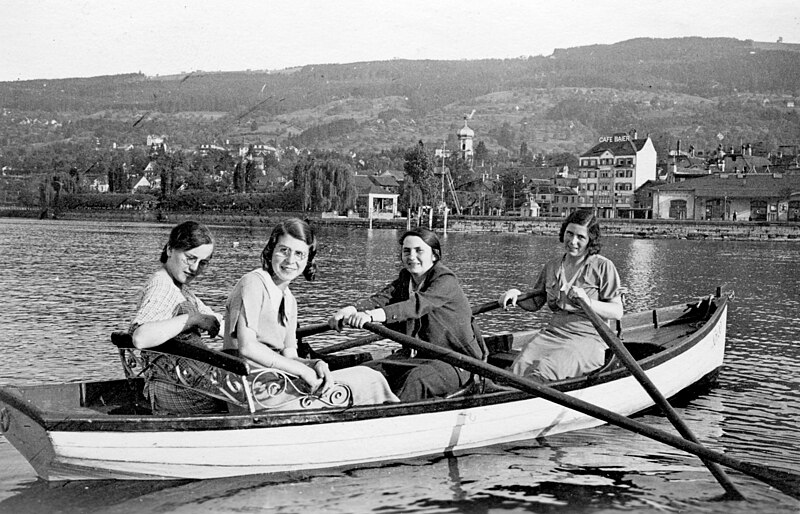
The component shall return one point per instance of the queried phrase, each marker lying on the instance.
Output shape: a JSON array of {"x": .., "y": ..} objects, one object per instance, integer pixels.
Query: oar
[
  {"x": 784, "y": 480},
  {"x": 625, "y": 356},
  {"x": 346, "y": 345},
  {"x": 318, "y": 328},
  {"x": 312, "y": 330}
]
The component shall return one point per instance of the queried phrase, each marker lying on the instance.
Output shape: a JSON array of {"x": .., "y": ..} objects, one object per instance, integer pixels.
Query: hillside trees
[
  {"x": 512, "y": 184},
  {"x": 420, "y": 185},
  {"x": 325, "y": 183},
  {"x": 481, "y": 155}
]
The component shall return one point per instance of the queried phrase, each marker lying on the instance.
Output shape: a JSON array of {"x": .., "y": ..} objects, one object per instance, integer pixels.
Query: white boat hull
[{"x": 220, "y": 452}]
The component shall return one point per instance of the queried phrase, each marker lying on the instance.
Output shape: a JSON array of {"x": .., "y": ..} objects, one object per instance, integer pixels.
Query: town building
[
  {"x": 378, "y": 196},
  {"x": 730, "y": 196},
  {"x": 610, "y": 172}
]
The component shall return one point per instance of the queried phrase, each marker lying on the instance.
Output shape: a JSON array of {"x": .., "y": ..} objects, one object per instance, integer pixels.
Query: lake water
[{"x": 67, "y": 285}]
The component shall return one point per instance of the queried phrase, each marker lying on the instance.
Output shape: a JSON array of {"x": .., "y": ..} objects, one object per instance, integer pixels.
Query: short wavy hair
[
  {"x": 187, "y": 235},
  {"x": 297, "y": 229},
  {"x": 587, "y": 219},
  {"x": 429, "y": 237}
]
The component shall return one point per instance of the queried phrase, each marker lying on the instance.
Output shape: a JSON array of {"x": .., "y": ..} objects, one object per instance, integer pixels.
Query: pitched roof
[
  {"x": 365, "y": 185},
  {"x": 618, "y": 148},
  {"x": 749, "y": 185},
  {"x": 385, "y": 180}
]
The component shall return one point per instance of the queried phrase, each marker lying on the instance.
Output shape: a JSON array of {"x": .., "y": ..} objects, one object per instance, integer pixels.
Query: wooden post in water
[{"x": 445, "y": 220}]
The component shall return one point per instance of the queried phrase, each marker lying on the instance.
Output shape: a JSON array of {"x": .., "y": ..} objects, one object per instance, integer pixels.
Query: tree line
[{"x": 214, "y": 180}]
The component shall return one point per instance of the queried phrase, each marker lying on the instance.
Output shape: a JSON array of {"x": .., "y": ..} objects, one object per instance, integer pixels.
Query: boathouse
[{"x": 730, "y": 196}]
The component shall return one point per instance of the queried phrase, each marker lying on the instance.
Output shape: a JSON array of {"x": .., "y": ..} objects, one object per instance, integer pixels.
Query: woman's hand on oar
[
  {"x": 784, "y": 480},
  {"x": 490, "y": 306},
  {"x": 333, "y": 324},
  {"x": 625, "y": 356}
]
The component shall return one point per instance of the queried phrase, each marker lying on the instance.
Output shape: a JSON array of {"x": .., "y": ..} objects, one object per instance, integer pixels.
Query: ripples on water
[{"x": 67, "y": 285}]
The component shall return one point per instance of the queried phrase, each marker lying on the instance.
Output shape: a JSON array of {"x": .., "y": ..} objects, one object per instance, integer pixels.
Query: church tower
[{"x": 465, "y": 135}]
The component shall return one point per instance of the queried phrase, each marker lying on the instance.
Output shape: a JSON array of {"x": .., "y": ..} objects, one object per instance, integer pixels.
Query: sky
[{"x": 46, "y": 39}]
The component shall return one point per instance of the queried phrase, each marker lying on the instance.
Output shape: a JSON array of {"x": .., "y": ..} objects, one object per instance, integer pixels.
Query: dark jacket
[{"x": 438, "y": 312}]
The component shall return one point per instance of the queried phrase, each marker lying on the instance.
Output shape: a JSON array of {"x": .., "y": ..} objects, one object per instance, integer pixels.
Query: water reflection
[{"x": 67, "y": 285}]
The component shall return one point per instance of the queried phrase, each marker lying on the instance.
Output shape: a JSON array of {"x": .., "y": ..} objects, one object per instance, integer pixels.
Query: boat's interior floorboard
[{"x": 662, "y": 336}]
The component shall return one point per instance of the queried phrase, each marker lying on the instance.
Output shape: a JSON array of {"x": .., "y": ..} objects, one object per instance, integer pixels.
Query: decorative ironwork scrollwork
[
  {"x": 269, "y": 388},
  {"x": 273, "y": 389}
]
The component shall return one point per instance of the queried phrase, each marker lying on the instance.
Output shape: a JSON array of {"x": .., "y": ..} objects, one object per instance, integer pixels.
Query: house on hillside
[
  {"x": 743, "y": 161},
  {"x": 98, "y": 183},
  {"x": 730, "y": 196},
  {"x": 141, "y": 182}
]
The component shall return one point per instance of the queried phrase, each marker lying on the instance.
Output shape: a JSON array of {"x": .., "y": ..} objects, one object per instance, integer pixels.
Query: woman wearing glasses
[
  {"x": 167, "y": 308},
  {"x": 261, "y": 317}
]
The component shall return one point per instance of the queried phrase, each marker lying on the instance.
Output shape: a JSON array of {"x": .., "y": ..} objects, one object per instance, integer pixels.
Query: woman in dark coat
[{"x": 425, "y": 301}]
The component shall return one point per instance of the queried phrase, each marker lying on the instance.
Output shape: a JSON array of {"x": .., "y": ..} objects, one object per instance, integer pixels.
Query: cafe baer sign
[{"x": 616, "y": 138}]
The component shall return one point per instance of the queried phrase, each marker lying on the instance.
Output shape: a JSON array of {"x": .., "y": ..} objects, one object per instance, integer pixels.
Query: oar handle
[
  {"x": 318, "y": 328},
  {"x": 312, "y": 330},
  {"x": 346, "y": 345},
  {"x": 490, "y": 306},
  {"x": 786, "y": 481}
]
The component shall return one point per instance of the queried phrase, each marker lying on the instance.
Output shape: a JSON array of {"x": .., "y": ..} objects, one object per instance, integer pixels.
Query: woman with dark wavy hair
[
  {"x": 168, "y": 309},
  {"x": 425, "y": 301},
  {"x": 261, "y": 317},
  {"x": 569, "y": 346}
]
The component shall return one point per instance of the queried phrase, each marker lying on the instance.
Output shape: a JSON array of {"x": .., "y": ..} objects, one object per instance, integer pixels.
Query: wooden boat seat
[{"x": 224, "y": 376}]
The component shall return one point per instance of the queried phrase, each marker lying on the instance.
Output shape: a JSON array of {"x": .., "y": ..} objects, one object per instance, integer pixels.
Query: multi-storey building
[{"x": 611, "y": 171}]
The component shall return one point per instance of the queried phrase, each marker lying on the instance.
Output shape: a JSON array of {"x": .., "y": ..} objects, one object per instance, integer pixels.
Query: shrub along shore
[{"x": 638, "y": 228}]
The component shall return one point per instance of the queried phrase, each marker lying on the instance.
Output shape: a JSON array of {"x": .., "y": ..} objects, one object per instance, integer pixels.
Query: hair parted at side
[
  {"x": 429, "y": 237},
  {"x": 297, "y": 229},
  {"x": 587, "y": 219},
  {"x": 187, "y": 235}
]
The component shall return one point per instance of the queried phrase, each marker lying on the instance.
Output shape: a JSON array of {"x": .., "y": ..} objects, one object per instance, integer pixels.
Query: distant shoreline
[{"x": 634, "y": 228}]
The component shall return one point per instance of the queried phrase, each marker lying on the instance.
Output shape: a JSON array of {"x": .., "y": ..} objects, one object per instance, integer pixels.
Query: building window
[
  {"x": 794, "y": 210},
  {"x": 628, "y": 173},
  {"x": 677, "y": 209},
  {"x": 758, "y": 210}
]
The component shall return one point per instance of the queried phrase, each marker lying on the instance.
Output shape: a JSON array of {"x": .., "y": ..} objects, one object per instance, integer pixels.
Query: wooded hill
[{"x": 692, "y": 89}]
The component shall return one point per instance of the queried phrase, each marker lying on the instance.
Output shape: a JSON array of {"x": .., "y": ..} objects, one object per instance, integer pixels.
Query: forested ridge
[{"x": 688, "y": 88}]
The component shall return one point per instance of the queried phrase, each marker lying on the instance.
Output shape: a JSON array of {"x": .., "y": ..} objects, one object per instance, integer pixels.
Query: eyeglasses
[
  {"x": 191, "y": 260},
  {"x": 285, "y": 252}
]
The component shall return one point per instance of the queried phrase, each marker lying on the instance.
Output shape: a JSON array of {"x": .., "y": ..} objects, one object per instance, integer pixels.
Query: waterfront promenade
[{"x": 635, "y": 228}]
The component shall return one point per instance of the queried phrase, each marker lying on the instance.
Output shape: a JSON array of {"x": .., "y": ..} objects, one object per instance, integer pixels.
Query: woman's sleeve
[
  {"x": 610, "y": 282},
  {"x": 441, "y": 290},
  {"x": 379, "y": 299},
  {"x": 247, "y": 300},
  {"x": 157, "y": 303}
]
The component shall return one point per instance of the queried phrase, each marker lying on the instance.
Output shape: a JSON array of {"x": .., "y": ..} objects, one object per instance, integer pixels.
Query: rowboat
[{"x": 104, "y": 429}]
